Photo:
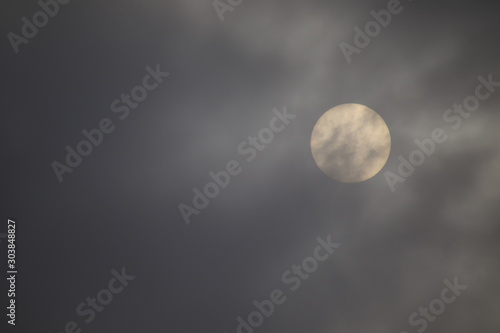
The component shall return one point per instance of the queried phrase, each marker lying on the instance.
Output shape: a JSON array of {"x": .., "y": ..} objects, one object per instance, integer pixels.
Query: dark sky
[{"x": 120, "y": 206}]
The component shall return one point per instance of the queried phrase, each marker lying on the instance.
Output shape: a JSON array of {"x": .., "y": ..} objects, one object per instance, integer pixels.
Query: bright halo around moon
[{"x": 350, "y": 143}]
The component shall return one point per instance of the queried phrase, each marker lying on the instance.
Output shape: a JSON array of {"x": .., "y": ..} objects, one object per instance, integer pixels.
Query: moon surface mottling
[{"x": 350, "y": 143}]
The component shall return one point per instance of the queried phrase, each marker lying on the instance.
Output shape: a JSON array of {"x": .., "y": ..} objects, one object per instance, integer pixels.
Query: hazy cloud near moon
[{"x": 225, "y": 80}]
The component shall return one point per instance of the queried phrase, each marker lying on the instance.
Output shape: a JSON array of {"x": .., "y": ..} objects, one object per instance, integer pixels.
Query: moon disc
[{"x": 350, "y": 143}]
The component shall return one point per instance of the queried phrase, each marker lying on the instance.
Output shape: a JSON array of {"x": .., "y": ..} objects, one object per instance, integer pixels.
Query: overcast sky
[{"x": 120, "y": 206}]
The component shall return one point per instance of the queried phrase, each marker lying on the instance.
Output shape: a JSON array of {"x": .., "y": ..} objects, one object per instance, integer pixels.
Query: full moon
[{"x": 350, "y": 143}]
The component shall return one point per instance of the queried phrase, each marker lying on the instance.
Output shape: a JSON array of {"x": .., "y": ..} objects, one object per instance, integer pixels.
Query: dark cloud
[{"x": 120, "y": 206}]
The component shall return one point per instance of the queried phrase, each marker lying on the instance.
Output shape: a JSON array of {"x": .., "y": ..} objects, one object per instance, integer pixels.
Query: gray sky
[{"x": 119, "y": 207}]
